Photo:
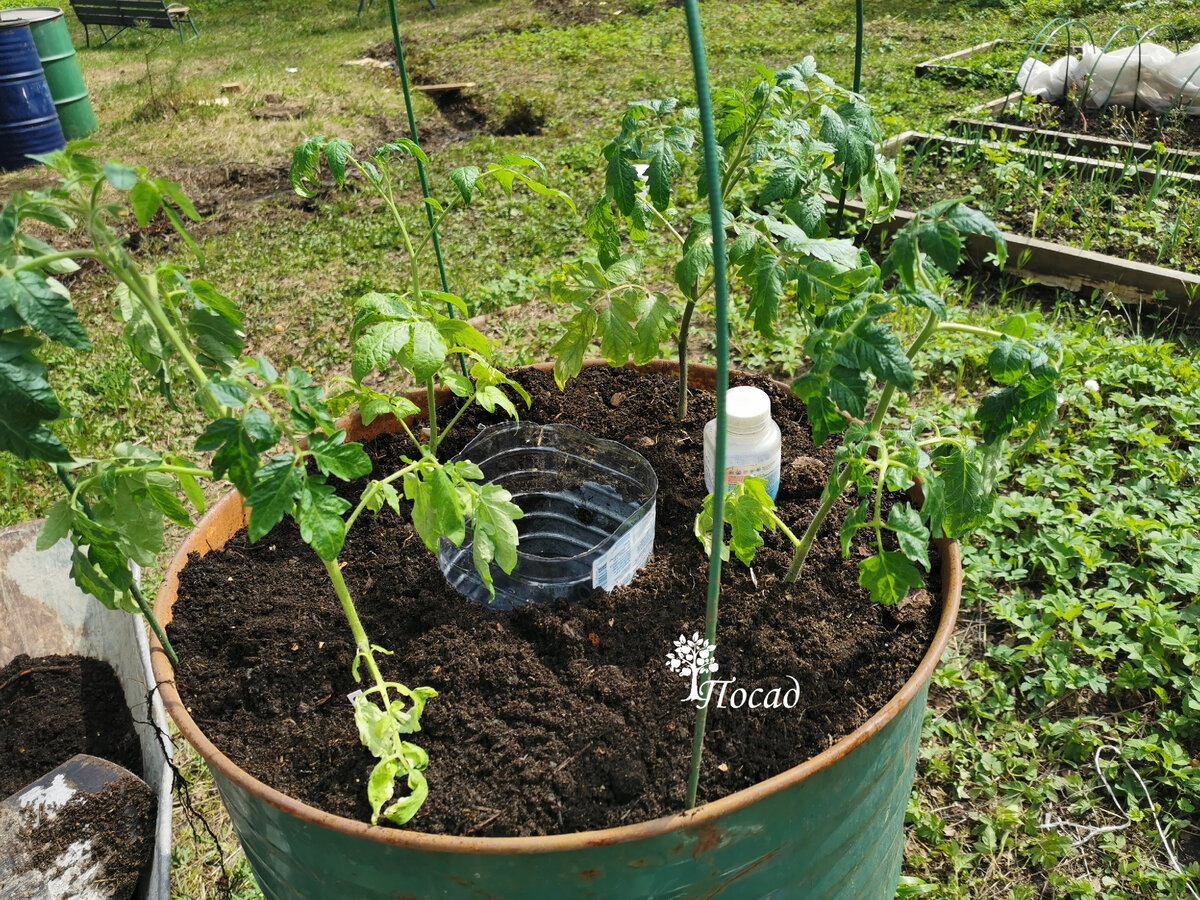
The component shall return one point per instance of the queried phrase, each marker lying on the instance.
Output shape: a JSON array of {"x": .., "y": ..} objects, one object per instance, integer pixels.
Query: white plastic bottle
[{"x": 752, "y": 449}]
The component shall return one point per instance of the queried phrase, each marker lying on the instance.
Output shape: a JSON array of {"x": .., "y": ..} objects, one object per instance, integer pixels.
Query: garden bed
[
  {"x": 1070, "y": 221},
  {"x": 991, "y": 62},
  {"x": 1116, "y": 124},
  {"x": 559, "y": 718},
  {"x": 1041, "y": 140}
]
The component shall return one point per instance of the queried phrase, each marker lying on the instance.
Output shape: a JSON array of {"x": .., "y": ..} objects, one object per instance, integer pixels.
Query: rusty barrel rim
[{"x": 227, "y": 516}]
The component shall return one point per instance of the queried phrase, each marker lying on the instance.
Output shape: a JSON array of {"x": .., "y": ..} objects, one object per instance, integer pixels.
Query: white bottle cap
[{"x": 747, "y": 408}]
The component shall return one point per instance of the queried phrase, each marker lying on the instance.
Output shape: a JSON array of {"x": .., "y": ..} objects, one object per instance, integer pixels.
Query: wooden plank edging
[
  {"x": 1061, "y": 139},
  {"x": 1057, "y": 265}
]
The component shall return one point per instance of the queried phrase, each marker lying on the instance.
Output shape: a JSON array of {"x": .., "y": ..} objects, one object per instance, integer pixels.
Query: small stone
[{"x": 808, "y": 468}]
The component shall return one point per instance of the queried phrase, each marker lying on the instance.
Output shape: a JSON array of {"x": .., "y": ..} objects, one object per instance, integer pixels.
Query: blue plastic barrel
[{"x": 28, "y": 120}]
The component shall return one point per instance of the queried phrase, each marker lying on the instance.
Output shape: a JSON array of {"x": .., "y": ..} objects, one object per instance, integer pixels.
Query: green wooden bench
[{"x": 122, "y": 14}]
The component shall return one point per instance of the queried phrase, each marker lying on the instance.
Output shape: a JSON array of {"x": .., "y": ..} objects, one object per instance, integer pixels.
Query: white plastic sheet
[{"x": 1146, "y": 75}]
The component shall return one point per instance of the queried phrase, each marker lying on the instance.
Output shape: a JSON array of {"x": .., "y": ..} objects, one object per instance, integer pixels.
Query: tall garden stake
[
  {"x": 712, "y": 176},
  {"x": 859, "y": 15},
  {"x": 412, "y": 131}
]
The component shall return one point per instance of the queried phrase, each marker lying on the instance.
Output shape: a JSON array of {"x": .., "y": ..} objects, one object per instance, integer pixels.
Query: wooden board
[
  {"x": 1067, "y": 267},
  {"x": 943, "y": 61},
  {"x": 1065, "y": 140},
  {"x": 432, "y": 88}
]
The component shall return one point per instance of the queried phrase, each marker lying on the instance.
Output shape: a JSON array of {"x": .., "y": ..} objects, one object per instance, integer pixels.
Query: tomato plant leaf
[
  {"x": 621, "y": 182},
  {"x": 261, "y": 428},
  {"x": 273, "y": 494},
  {"x": 766, "y": 291},
  {"x": 872, "y": 345},
  {"x": 437, "y": 511},
  {"x": 45, "y": 306},
  {"x": 911, "y": 532},
  {"x": 26, "y": 402},
  {"x": 1008, "y": 360},
  {"x": 162, "y": 494},
  {"x": 601, "y": 228},
  {"x": 855, "y": 519},
  {"x": 889, "y": 576},
  {"x": 426, "y": 352},
  {"x": 825, "y": 419},
  {"x": 464, "y": 178},
  {"x": 494, "y": 532},
  {"x": 851, "y": 130},
  {"x": 848, "y": 389},
  {"x": 660, "y": 176},
  {"x": 227, "y": 393},
  {"x": 119, "y": 176},
  {"x": 1033, "y": 398},
  {"x": 695, "y": 261},
  {"x": 57, "y": 525},
  {"x": 335, "y": 457},
  {"x": 146, "y": 199},
  {"x": 378, "y": 346},
  {"x": 571, "y": 349},
  {"x": 968, "y": 497},
  {"x": 656, "y": 323},
  {"x": 319, "y": 515}
]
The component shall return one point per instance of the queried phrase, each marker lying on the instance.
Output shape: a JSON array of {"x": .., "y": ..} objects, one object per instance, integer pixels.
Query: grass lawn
[{"x": 1080, "y": 622}]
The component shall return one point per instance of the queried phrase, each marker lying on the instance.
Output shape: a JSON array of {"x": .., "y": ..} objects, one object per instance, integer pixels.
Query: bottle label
[
  {"x": 739, "y": 468},
  {"x": 618, "y": 566}
]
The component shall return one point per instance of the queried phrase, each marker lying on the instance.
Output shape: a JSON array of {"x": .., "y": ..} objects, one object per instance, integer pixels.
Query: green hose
[{"x": 712, "y": 176}]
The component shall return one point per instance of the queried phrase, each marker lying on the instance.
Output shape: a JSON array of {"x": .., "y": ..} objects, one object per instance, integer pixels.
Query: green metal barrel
[
  {"x": 57, "y": 55},
  {"x": 832, "y": 828}
]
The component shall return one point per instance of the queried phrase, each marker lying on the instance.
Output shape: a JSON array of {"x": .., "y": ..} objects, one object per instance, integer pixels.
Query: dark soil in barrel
[
  {"x": 54, "y": 707},
  {"x": 559, "y": 718}
]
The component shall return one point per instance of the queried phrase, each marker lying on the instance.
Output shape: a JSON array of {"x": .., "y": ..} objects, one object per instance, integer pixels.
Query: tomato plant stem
[
  {"x": 970, "y": 329},
  {"x": 462, "y": 409},
  {"x": 684, "y": 326},
  {"x": 431, "y": 402},
  {"x": 361, "y": 643},
  {"x": 839, "y": 480},
  {"x": 51, "y": 258}
]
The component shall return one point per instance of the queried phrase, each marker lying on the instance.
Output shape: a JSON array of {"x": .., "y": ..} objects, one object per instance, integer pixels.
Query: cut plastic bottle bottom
[{"x": 588, "y": 514}]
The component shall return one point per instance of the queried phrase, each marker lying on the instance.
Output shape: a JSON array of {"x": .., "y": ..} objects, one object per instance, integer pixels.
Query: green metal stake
[
  {"x": 859, "y": 16},
  {"x": 412, "y": 130},
  {"x": 712, "y": 175}
]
